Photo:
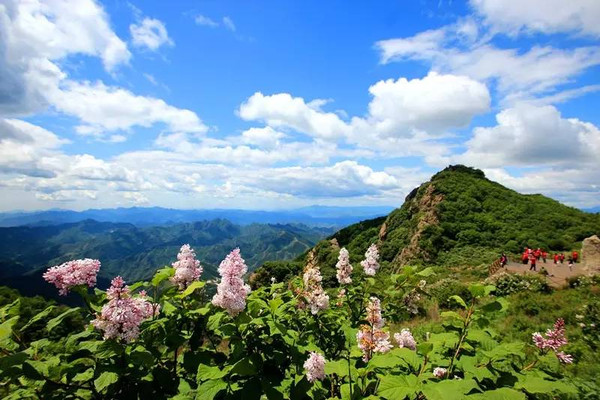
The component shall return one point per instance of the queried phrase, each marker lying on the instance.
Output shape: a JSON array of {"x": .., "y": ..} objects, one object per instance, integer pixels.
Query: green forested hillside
[
  {"x": 457, "y": 218},
  {"x": 135, "y": 252}
]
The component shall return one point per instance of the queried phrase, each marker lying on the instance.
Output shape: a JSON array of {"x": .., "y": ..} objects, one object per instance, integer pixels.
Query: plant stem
[{"x": 462, "y": 336}]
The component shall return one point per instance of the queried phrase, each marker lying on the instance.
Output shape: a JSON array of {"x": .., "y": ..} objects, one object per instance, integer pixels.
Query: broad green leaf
[
  {"x": 162, "y": 275},
  {"x": 449, "y": 389},
  {"x": 105, "y": 380},
  {"x": 499, "y": 394},
  {"x": 244, "y": 367},
  {"x": 426, "y": 272},
  {"x": 209, "y": 389},
  {"x": 424, "y": 348},
  {"x": 409, "y": 356},
  {"x": 459, "y": 300},
  {"x": 37, "y": 317},
  {"x": 394, "y": 387},
  {"x": 6, "y": 328},
  {"x": 84, "y": 376},
  {"x": 339, "y": 367},
  {"x": 477, "y": 290},
  {"x": 196, "y": 285},
  {"x": 387, "y": 360},
  {"x": 54, "y": 322},
  {"x": 536, "y": 385},
  {"x": 12, "y": 360},
  {"x": 207, "y": 372}
]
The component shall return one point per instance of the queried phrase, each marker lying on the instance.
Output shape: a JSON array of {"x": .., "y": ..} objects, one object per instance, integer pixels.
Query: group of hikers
[{"x": 531, "y": 256}]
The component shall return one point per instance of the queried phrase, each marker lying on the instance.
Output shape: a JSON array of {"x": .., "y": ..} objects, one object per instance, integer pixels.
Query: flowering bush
[
  {"x": 507, "y": 283},
  {"x": 73, "y": 273},
  {"x": 282, "y": 341}
]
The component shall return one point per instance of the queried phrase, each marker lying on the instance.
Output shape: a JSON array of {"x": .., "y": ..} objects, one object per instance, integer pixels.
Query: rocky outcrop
[
  {"x": 590, "y": 254},
  {"x": 427, "y": 215}
]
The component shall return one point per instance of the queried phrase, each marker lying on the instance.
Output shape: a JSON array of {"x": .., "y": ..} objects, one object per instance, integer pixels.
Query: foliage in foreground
[{"x": 274, "y": 347}]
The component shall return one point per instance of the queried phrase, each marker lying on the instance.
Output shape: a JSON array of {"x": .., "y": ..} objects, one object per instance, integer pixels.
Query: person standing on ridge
[
  {"x": 525, "y": 256},
  {"x": 533, "y": 263},
  {"x": 574, "y": 256},
  {"x": 503, "y": 260}
]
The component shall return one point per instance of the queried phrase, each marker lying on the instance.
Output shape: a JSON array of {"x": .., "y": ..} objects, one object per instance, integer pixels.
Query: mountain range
[
  {"x": 135, "y": 252},
  {"x": 146, "y": 216}
]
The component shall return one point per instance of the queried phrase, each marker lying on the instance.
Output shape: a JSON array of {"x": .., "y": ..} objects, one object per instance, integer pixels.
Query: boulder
[{"x": 590, "y": 254}]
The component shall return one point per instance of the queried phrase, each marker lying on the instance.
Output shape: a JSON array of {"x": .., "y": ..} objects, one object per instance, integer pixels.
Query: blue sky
[{"x": 278, "y": 105}]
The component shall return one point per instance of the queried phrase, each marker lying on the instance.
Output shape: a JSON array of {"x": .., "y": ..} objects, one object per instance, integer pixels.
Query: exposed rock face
[
  {"x": 590, "y": 254},
  {"x": 383, "y": 232},
  {"x": 427, "y": 208}
]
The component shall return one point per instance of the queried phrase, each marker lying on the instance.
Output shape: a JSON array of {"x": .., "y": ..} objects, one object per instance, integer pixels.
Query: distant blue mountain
[
  {"x": 326, "y": 216},
  {"x": 592, "y": 209}
]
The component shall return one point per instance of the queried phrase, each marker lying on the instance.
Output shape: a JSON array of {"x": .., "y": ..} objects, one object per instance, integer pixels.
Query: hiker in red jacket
[
  {"x": 574, "y": 256},
  {"x": 544, "y": 256},
  {"x": 556, "y": 258},
  {"x": 503, "y": 260},
  {"x": 525, "y": 257},
  {"x": 533, "y": 263},
  {"x": 562, "y": 258},
  {"x": 538, "y": 254}
]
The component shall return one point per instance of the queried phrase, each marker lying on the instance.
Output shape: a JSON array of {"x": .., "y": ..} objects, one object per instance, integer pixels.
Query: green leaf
[
  {"x": 192, "y": 288},
  {"x": 409, "y": 357},
  {"x": 214, "y": 321},
  {"x": 209, "y": 389},
  {"x": 84, "y": 376},
  {"x": 244, "y": 367},
  {"x": 393, "y": 387},
  {"x": 54, "y": 322},
  {"x": 536, "y": 385},
  {"x": 6, "y": 328},
  {"x": 424, "y": 348},
  {"x": 105, "y": 380},
  {"x": 38, "y": 317},
  {"x": 274, "y": 304},
  {"x": 477, "y": 290},
  {"x": 339, "y": 367},
  {"x": 459, "y": 300},
  {"x": 499, "y": 394},
  {"x": 388, "y": 360},
  {"x": 162, "y": 274},
  {"x": 450, "y": 389},
  {"x": 426, "y": 272},
  {"x": 208, "y": 372}
]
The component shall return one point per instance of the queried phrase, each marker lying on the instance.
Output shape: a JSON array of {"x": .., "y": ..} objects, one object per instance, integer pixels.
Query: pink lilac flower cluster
[
  {"x": 315, "y": 367},
  {"x": 372, "y": 338},
  {"x": 554, "y": 340},
  {"x": 371, "y": 261},
  {"x": 340, "y": 298},
  {"x": 374, "y": 313},
  {"x": 187, "y": 268},
  {"x": 73, "y": 273},
  {"x": 440, "y": 372},
  {"x": 344, "y": 268},
  {"x": 405, "y": 339},
  {"x": 232, "y": 291},
  {"x": 314, "y": 295},
  {"x": 122, "y": 315}
]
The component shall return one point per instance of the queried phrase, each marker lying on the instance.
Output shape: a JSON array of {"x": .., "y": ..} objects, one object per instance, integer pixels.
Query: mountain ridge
[
  {"x": 146, "y": 216},
  {"x": 457, "y": 218}
]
